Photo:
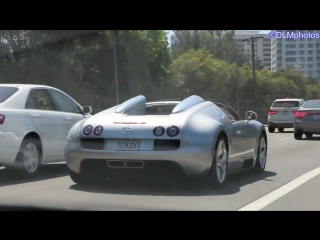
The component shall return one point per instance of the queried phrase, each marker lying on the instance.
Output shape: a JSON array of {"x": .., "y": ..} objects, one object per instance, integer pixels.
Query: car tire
[
  {"x": 262, "y": 153},
  {"x": 309, "y": 135},
  {"x": 29, "y": 158},
  {"x": 271, "y": 129},
  {"x": 219, "y": 167},
  {"x": 297, "y": 135},
  {"x": 281, "y": 130},
  {"x": 81, "y": 179}
]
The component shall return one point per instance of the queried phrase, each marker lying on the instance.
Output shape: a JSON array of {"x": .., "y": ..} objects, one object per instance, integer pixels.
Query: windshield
[
  {"x": 312, "y": 104},
  {"x": 63, "y": 143},
  {"x": 6, "y": 92},
  {"x": 285, "y": 104}
]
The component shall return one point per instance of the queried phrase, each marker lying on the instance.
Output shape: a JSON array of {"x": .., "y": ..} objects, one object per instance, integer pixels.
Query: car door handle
[
  {"x": 238, "y": 132},
  {"x": 68, "y": 118},
  {"x": 35, "y": 116}
]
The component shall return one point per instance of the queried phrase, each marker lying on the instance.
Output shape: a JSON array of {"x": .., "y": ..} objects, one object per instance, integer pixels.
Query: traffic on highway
[{"x": 192, "y": 151}]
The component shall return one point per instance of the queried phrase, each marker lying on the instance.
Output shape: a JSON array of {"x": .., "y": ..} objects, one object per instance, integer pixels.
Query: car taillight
[
  {"x": 2, "y": 117},
  {"x": 87, "y": 130},
  {"x": 173, "y": 131},
  {"x": 98, "y": 130},
  {"x": 300, "y": 114},
  {"x": 158, "y": 131},
  {"x": 294, "y": 112},
  {"x": 272, "y": 112}
]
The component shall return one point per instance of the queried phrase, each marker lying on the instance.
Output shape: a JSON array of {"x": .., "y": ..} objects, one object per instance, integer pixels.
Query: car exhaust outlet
[
  {"x": 116, "y": 164},
  {"x": 125, "y": 164},
  {"x": 134, "y": 164}
]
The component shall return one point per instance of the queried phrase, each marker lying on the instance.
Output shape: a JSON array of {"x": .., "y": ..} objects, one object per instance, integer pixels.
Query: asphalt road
[{"x": 287, "y": 184}]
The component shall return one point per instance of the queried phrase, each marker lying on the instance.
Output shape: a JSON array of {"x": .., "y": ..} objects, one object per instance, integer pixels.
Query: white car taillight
[{"x": 2, "y": 117}]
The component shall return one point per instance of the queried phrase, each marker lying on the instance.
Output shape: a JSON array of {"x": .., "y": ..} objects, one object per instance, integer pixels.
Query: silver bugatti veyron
[{"x": 193, "y": 136}]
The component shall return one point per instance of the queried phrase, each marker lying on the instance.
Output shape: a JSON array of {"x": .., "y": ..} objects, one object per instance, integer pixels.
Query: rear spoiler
[
  {"x": 133, "y": 106},
  {"x": 137, "y": 105},
  {"x": 187, "y": 103}
]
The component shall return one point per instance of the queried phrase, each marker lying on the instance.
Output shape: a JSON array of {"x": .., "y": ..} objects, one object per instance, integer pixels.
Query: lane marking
[
  {"x": 283, "y": 139},
  {"x": 280, "y": 192}
]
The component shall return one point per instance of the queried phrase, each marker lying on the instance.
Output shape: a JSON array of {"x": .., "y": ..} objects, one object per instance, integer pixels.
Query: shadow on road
[
  {"x": 312, "y": 139},
  {"x": 162, "y": 187},
  {"x": 46, "y": 172}
]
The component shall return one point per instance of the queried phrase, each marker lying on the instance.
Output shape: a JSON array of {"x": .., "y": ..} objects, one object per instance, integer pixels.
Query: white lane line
[
  {"x": 282, "y": 139},
  {"x": 280, "y": 192}
]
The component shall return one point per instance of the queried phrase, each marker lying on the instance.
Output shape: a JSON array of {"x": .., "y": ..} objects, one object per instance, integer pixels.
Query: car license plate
[
  {"x": 284, "y": 113},
  {"x": 127, "y": 144},
  {"x": 316, "y": 117}
]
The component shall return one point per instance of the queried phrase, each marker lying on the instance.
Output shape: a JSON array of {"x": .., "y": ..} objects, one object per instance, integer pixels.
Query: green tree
[
  {"x": 82, "y": 62},
  {"x": 199, "y": 72},
  {"x": 221, "y": 46}
]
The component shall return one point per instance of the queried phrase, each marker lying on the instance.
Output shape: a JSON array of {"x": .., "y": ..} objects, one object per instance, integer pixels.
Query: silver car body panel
[{"x": 200, "y": 123}]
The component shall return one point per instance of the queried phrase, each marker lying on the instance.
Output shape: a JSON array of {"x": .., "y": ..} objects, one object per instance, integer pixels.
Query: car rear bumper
[
  {"x": 307, "y": 126},
  {"x": 191, "y": 160},
  {"x": 9, "y": 147},
  {"x": 280, "y": 124}
]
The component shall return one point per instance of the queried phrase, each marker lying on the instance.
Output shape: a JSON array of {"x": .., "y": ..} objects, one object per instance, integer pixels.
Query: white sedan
[{"x": 34, "y": 125}]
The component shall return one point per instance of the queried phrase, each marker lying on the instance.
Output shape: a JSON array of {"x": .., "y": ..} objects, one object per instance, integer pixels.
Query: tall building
[
  {"x": 302, "y": 54},
  {"x": 262, "y": 46}
]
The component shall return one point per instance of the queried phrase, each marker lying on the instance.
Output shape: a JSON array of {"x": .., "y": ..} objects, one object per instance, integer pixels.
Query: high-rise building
[
  {"x": 262, "y": 46},
  {"x": 302, "y": 54}
]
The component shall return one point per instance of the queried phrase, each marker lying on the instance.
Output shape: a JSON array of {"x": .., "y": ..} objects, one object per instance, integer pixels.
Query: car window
[
  {"x": 165, "y": 109},
  {"x": 6, "y": 92},
  {"x": 30, "y": 103},
  {"x": 285, "y": 103},
  {"x": 39, "y": 99},
  {"x": 312, "y": 104},
  {"x": 64, "y": 103},
  {"x": 229, "y": 112}
]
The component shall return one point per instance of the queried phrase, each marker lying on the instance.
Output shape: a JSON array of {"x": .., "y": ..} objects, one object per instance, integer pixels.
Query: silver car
[
  {"x": 281, "y": 114},
  {"x": 307, "y": 120},
  {"x": 194, "y": 137}
]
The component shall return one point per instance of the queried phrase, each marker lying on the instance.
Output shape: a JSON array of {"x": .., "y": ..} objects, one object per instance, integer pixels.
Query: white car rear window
[
  {"x": 284, "y": 103},
  {"x": 6, "y": 92}
]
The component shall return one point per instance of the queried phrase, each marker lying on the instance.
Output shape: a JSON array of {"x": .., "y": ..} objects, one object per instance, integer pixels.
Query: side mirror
[
  {"x": 251, "y": 115},
  {"x": 87, "y": 109}
]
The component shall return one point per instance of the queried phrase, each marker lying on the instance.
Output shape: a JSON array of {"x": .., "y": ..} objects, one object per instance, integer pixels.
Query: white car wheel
[
  {"x": 262, "y": 154},
  {"x": 30, "y": 157},
  {"x": 221, "y": 161},
  {"x": 219, "y": 167}
]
